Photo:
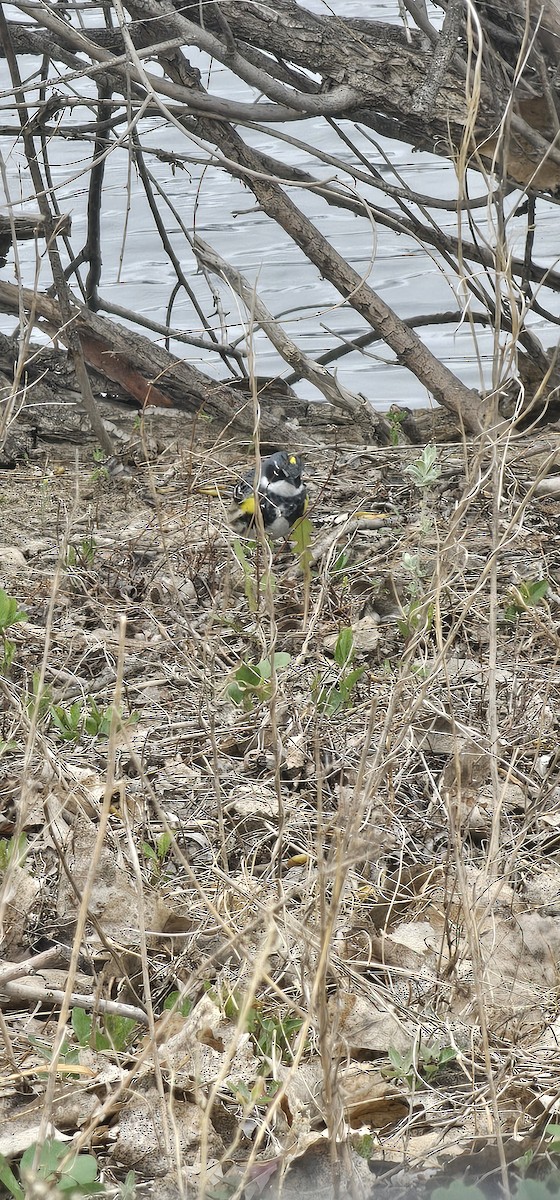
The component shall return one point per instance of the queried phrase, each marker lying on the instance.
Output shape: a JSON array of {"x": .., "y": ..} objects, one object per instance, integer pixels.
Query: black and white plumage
[{"x": 281, "y": 494}]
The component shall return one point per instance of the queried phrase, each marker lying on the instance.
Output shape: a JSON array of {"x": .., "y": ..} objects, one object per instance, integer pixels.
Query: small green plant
[
  {"x": 426, "y": 470},
  {"x": 418, "y": 617},
  {"x": 364, "y": 1145},
  {"x": 553, "y": 1131},
  {"x": 97, "y": 721},
  {"x": 57, "y": 1167},
  {"x": 67, "y": 721},
  {"x": 8, "y": 747},
  {"x": 340, "y": 564},
  {"x": 421, "y": 1063},
  {"x": 457, "y": 1190},
  {"x": 253, "y": 681},
  {"x": 127, "y": 1190},
  {"x": 301, "y": 536},
  {"x": 82, "y": 555},
  {"x": 271, "y": 1035},
  {"x": 115, "y": 1034},
  {"x": 100, "y": 473},
  {"x": 13, "y": 850},
  {"x": 183, "y": 1006},
  {"x": 395, "y": 419},
  {"x": 254, "y": 1097},
  {"x": 67, "y": 1053},
  {"x": 332, "y": 698},
  {"x": 527, "y": 594},
  {"x": 248, "y": 571},
  {"x": 156, "y": 855},
  {"x": 418, "y": 612},
  {"x": 38, "y": 703},
  {"x": 45, "y": 501},
  {"x": 424, "y": 473},
  {"x": 78, "y": 720},
  {"x": 10, "y": 615}
]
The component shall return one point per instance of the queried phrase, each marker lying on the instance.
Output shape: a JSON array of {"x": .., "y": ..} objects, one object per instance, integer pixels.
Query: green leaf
[
  {"x": 301, "y": 536},
  {"x": 51, "y": 1155},
  {"x": 9, "y": 611},
  {"x": 534, "y": 1189},
  {"x": 79, "y": 1175},
  {"x": 8, "y": 655},
  {"x": 281, "y": 659},
  {"x": 397, "y": 1060},
  {"x": 330, "y": 701},
  {"x": 533, "y": 591},
  {"x": 344, "y": 648},
  {"x": 248, "y": 676},
  {"x": 364, "y": 1145},
  {"x": 264, "y": 667},
  {"x": 426, "y": 469},
  {"x": 101, "y": 1041},
  {"x": 8, "y": 1179},
  {"x": 67, "y": 721},
  {"x": 127, "y": 1190},
  {"x": 81, "y": 1024},
  {"x": 119, "y": 1030},
  {"x": 235, "y": 694},
  {"x": 149, "y": 852},
  {"x": 7, "y": 747},
  {"x": 164, "y": 842},
  {"x": 348, "y": 683},
  {"x": 184, "y": 1006}
]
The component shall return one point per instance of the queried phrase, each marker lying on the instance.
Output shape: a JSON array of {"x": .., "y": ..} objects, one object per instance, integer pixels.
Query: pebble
[
  {"x": 38, "y": 546},
  {"x": 12, "y": 560}
]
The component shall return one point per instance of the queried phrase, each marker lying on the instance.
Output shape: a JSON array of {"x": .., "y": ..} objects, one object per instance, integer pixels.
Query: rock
[{"x": 12, "y": 560}]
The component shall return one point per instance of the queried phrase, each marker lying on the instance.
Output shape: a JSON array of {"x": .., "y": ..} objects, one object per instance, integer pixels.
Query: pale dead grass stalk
[
  {"x": 82, "y": 915},
  {"x": 166, "y": 1112}
]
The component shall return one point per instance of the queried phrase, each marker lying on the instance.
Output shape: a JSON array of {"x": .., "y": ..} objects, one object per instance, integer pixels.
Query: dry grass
[{"x": 340, "y": 884}]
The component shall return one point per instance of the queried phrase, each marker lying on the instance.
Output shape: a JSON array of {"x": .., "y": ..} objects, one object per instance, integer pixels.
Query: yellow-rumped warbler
[{"x": 280, "y": 490}]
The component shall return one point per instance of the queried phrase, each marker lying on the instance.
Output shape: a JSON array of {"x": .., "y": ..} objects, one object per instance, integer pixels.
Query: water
[{"x": 138, "y": 276}]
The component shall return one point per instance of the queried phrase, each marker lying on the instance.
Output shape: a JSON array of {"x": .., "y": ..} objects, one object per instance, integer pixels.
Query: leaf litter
[{"x": 305, "y": 904}]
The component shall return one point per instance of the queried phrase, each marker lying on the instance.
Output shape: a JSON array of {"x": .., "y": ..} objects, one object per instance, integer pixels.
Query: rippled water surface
[{"x": 138, "y": 276}]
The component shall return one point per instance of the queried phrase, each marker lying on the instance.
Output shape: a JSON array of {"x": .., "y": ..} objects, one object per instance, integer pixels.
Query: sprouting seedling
[
  {"x": 426, "y": 470},
  {"x": 253, "y": 681},
  {"x": 424, "y": 473},
  {"x": 82, "y": 555},
  {"x": 418, "y": 612},
  {"x": 157, "y": 854},
  {"x": 420, "y": 1063},
  {"x": 395, "y": 419},
  {"x": 55, "y": 1169},
  {"x": 524, "y": 596},
  {"x": 249, "y": 580},
  {"x": 10, "y": 614},
  {"x": 331, "y": 699},
  {"x": 300, "y": 538}
]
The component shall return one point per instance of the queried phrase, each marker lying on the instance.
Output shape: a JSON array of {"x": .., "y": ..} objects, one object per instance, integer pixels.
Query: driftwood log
[{"x": 131, "y": 364}]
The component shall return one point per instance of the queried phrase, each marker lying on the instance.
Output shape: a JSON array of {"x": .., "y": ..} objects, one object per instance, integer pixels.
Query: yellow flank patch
[
  {"x": 293, "y": 460},
  {"x": 248, "y": 505}
]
